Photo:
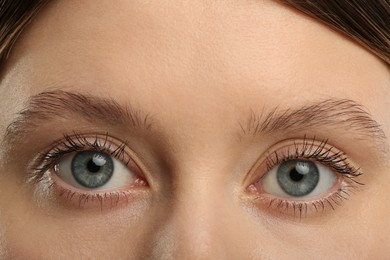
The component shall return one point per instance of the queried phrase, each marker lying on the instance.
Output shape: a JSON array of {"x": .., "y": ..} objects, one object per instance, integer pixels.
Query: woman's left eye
[
  {"x": 94, "y": 170},
  {"x": 303, "y": 177},
  {"x": 299, "y": 179}
]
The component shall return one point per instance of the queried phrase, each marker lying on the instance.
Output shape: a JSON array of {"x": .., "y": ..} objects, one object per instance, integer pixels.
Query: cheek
[
  {"x": 357, "y": 230},
  {"x": 374, "y": 214},
  {"x": 30, "y": 232}
]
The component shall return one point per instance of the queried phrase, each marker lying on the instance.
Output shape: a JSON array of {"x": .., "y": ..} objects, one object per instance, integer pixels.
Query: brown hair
[
  {"x": 367, "y": 22},
  {"x": 14, "y": 17}
]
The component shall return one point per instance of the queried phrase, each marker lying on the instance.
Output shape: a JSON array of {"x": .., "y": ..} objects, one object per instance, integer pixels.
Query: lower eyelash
[
  {"x": 305, "y": 208},
  {"x": 78, "y": 199},
  {"x": 107, "y": 199}
]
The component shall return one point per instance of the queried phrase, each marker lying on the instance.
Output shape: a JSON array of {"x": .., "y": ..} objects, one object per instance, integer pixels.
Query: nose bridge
[
  {"x": 193, "y": 230},
  {"x": 198, "y": 209},
  {"x": 200, "y": 197}
]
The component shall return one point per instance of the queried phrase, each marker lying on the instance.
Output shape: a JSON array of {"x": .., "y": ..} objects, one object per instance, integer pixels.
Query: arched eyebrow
[
  {"x": 54, "y": 104},
  {"x": 343, "y": 114}
]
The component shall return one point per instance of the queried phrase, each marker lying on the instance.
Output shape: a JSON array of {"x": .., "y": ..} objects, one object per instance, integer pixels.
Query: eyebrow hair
[
  {"x": 341, "y": 113},
  {"x": 344, "y": 114},
  {"x": 53, "y": 104}
]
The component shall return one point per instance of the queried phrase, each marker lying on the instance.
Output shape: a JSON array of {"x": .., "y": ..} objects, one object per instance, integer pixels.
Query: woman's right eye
[
  {"x": 94, "y": 171},
  {"x": 87, "y": 168}
]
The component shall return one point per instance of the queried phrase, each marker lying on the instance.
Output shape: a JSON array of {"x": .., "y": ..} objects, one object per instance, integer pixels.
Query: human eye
[
  {"x": 298, "y": 179},
  {"x": 304, "y": 177},
  {"x": 89, "y": 170}
]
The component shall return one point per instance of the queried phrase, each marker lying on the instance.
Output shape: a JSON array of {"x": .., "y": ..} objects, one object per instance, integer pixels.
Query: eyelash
[
  {"x": 321, "y": 153},
  {"x": 308, "y": 150},
  {"x": 77, "y": 143}
]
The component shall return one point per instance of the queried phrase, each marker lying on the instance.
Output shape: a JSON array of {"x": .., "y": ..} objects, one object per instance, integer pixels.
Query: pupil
[
  {"x": 296, "y": 176},
  {"x": 92, "y": 167}
]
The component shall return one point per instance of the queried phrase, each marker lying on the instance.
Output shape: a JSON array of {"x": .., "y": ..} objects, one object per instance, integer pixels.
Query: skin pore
[{"x": 200, "y": 94}]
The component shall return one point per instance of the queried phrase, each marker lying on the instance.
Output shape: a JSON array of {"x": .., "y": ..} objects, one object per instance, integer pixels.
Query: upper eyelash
[
  {"x": 75, "y": 143},
  {"x": 321, "y": 152}
]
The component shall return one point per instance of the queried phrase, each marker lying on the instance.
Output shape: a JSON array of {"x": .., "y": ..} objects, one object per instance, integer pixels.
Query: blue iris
[
  {"x": 92, "y": 169},
  {"x": 298, "y": 177}
]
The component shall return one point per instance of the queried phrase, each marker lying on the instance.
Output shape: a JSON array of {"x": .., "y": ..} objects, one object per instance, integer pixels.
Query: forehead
[{"x": 188, "y": 48}]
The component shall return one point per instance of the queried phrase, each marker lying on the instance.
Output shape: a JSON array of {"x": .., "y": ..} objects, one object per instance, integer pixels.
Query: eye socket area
[{"x": 97, "y": 171}]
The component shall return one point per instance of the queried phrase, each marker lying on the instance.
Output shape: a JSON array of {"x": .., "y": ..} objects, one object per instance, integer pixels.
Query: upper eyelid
[
  {"x": 325, "y": 154},
  {"x": 74, "y": 143},
  {"x": 263, "y": 166}
]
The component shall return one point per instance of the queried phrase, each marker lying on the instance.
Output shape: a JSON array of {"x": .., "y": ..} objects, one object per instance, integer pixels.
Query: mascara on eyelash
[
  {"x": 74, "y": 143},
  {"x": 322, "y": 152}
]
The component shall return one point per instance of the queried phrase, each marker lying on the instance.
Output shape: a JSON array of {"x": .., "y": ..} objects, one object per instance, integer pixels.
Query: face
[{"x": 192, "y": 130}]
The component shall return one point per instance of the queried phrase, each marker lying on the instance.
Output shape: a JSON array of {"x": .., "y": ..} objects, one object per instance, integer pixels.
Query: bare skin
[{"x": 198, "y": 69}]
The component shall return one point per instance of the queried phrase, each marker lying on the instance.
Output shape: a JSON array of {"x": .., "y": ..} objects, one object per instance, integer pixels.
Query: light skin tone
[{"x": 204, "y": 73}]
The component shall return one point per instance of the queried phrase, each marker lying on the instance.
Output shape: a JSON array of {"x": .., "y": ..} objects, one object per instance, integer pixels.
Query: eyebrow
[
  {"x": 344, "y": 114},
  {"x": 62, "y": 104}
]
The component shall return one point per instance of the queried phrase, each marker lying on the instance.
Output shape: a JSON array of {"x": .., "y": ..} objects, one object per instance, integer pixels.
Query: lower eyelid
[
  {"x": 53, "y": 189},
  {"x": 298, "y": 209}
]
